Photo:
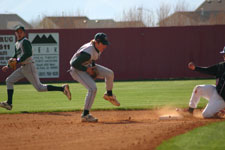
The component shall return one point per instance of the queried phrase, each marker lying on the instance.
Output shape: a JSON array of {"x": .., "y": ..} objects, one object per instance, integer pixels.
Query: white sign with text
[
  {"x": 46, "y": 53},
  {"x": 7, "y": 48}
]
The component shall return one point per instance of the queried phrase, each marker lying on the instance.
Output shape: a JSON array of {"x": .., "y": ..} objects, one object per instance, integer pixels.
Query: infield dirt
[{"x": 123, "y": 130}]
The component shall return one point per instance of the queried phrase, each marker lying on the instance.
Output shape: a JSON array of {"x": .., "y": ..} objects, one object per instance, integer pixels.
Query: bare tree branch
[{"x": 163, "y": 12}]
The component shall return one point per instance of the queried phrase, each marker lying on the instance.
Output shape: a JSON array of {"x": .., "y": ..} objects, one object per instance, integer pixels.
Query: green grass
[
  {"x": 209, "y": 137},
  {"x": 132, "y": 95}
]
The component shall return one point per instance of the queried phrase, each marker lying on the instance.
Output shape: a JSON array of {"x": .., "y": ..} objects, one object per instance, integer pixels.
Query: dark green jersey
[
  {"x": 85, "y": 56},
  {"x": 78, "y": 61},
  {"x": 218, "y": 71},
  {"x": 23, "y": 50}
]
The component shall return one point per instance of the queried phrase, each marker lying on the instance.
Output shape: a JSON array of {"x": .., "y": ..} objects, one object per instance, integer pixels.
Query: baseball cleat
[
  {"x": 5, "y": 105},
  {"x": 88, "y": 118},
  {"x": 67, "y": 91},
  {"x": 111, "y": 99},
  {"x": 220, "y": 114},
  {"x": 222, "y": 111},
  {"x": 187, "y": 112}
]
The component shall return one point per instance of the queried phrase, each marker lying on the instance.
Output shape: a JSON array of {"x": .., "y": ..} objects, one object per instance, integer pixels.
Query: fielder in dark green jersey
[{"x": 23, "y": 56}]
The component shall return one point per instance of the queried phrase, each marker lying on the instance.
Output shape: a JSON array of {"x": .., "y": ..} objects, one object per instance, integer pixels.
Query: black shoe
[
  {"x": 6, "y": 105},
  {"x": 191, "y": 110}
]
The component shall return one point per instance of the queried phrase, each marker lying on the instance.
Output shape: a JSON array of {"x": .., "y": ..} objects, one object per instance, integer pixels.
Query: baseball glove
[
  {"x": 93, "y": 72},
  {"x": 12, "y": 63}
]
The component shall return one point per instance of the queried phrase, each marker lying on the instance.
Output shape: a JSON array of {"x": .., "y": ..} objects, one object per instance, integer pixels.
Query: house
[
  {"x": 194, "y": 18},
  {"x": 9, "y": 21},
  {"x": 212, "y": 5},
  {"x": 71, "y": 22},
  {"x": 210, "y": 12},
  {"x": 66, "y": 22}
]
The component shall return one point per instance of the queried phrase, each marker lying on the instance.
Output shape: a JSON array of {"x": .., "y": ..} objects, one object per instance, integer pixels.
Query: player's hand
[
  {"x": 5, "y": 68},
  {"x": 191, "y": 66},
  {"x": 89, "y": 70},
  {"x": 92, "y": 71}
]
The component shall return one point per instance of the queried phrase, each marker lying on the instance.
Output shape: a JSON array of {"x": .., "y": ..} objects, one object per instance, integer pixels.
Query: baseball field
[{"x": 49, "y": 121}]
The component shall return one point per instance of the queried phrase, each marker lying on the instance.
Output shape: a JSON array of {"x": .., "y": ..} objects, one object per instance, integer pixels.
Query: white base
[{"x": 170, "y": 117}]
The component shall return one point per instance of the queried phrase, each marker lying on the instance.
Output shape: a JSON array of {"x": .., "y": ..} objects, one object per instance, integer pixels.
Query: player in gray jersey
[
  {"x": 83, "y": 68},
  {"x": 23, "y": 56}
]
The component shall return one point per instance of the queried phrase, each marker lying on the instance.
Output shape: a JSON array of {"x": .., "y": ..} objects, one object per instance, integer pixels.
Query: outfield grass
[
  {"x": 132, "y": 95},
  {"x": 210, "y": 137}
]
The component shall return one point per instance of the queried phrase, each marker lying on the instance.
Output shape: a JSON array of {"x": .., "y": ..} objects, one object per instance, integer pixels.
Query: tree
[
  {"x": 36, "y": 23},
  {"x": 139, "y": 15},
  {"x": 179, "y": 17},
  {"x": 163, "y": 12},
  {"x": 181, "y": 5}
]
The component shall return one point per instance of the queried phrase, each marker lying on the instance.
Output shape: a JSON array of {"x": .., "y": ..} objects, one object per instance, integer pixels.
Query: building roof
[
  {"x": 106, "y": 23},
  {"x": 194, "y": 18},
  {"x": 202, "y": 16},
  {"x": 212, "y": 5},
  {"x": 9, "y": 21},
  {"x": 70, "y": 22},
  {"x": 66, "y": 22},
  {"x": 209, "y": 12}
]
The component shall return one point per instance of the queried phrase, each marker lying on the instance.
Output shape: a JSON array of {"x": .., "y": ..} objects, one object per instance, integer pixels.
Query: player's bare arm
[{"x": 191, "y": 66}]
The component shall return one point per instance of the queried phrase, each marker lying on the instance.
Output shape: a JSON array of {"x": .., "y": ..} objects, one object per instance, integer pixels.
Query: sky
[{"x": 94, "y": 9}]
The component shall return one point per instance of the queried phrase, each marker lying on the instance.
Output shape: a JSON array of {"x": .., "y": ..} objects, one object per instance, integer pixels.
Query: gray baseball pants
[
  {"x": 29, "y": 72},
  {"x": 88, "y": 82}
]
